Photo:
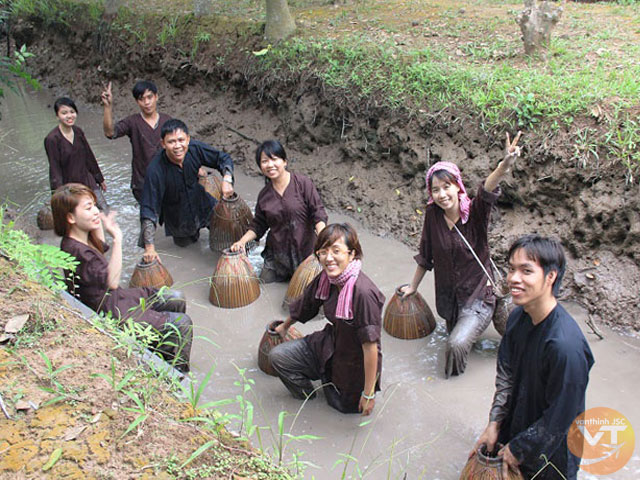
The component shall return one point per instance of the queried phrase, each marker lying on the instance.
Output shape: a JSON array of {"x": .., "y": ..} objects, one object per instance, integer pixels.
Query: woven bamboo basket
[
  {"x": 408, "y": 317},
  {"x": 229, "y": 221},
  {"x": 234, "y": 284},
  {"x": 152, "y": 274},
  {"x": 483, "y": 466},
  {"x": 303, "y": 276},
  {"x": 45, "y": 217},
  {"x": 269, "y": 340},
  {"x": 212, "y": 184}
]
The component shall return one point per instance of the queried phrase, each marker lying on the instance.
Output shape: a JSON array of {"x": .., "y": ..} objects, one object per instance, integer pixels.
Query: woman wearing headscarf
[
  {"x": 346, "y": 355},
  {"x": 464, "y": 297}
]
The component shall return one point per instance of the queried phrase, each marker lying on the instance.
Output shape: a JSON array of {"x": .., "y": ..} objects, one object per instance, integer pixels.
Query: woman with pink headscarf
[{"x": 464, "y": 297}]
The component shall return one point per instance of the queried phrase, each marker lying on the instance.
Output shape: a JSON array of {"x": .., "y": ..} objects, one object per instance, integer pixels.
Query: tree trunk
[
  {"x": 280, "y": 23},
  {"x": 202, "y": 8},
  {"x": 111, "y": 7},
  {"x": 536, "y": 22}
]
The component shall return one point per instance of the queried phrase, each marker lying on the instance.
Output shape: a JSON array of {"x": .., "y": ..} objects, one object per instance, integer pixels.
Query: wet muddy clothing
[
  {"x": 145, "y": 142},
  {"x": 166, "y": 313},
  {"x": 71, "y": 162},
  {"x": 173, "y": 196},
  {"x": 291, "y": 220},
  {"x": 90, "y": 286},
  {"x": 337, "y": 349},
  {"x": 543, "y": 371},
  {"x": 458, "y": 277}
]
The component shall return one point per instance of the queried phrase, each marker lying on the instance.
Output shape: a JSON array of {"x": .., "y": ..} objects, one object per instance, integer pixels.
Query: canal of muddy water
[{"x": 423, "y": 425}]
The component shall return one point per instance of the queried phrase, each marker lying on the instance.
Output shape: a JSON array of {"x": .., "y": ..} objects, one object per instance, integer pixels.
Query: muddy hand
[
  {"x": 512, "y": 147},
  {"x": 150, "y": 254},
  {"x": 227, "y": 189},
  {"x": 406, "y": 290},
  {"x": 237, "y": 247},
  {"x": 489, "y": 438},
  {"x": 508, "y": 461},
  {"x": 107, "y": 96},
  {"x": 366, "y": 406},
  {"x": 281, "y": 330}
]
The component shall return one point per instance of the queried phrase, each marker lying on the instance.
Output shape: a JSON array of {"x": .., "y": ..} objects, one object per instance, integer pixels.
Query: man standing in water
[
  {"x": 543, "y": 368},
  {"x": 171, "y": 192},
  {"x": 143, "y": 129}
]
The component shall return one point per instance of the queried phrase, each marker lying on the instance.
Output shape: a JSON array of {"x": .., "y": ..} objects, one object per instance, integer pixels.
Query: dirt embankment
[{"x": 365, "y": 159}]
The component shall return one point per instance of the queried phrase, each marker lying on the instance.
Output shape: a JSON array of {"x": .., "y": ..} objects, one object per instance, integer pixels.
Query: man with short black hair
[
  {"x": 171, "y": 192},
  {"x": 542, "y": 371},
  {"x": 143, "y": 129}
]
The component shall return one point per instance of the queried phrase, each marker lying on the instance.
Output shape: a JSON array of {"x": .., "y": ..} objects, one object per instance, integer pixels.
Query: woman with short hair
[
  {"x": 290, "y": 208},
  {"x": 71, "y": 159},
  {"x": 346, "y": 355}
]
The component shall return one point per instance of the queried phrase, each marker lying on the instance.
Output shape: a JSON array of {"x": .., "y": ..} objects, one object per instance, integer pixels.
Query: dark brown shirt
[
  {"x": 290, "y": 219},
  {"x": 145, "y": 142},
  {"x": 71, "y": 162},
  {"x": 90, "y": 286},
  {"x": 338, "y": 347},
  {"x": 458, "y": 277}
]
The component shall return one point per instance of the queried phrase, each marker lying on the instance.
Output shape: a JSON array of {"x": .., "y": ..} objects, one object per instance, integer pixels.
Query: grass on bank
[
  {"x": 424, "y": 56},
  {"x": 100, "y": 412}
]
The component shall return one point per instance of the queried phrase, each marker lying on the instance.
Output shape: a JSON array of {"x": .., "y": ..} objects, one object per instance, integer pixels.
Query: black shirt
[
  {"x": 549, "y": 367},
  {"x": 172, "y": 194}
]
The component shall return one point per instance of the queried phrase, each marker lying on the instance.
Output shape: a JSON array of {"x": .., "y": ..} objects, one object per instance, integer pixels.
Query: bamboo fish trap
[
  {"x": 230, "y": 219},
  {"x": 212, "y": 184},
  {"x": 45, "y": 217},
  {"x": 408, "y": 317},
  {"x": 303, "y": 276},
  {"x": 270, "y": 339},
  {"x": 154, "y": 275},
  {"x": 234, "y": 284},
  {"x": 483, "y": 466}
]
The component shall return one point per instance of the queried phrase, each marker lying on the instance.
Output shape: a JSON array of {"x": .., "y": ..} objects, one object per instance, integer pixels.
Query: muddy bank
[{"x": 367, "y": 161}]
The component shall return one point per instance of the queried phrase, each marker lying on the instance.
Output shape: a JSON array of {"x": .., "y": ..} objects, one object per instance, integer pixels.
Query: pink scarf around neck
[{"x": 346, "y": 280}]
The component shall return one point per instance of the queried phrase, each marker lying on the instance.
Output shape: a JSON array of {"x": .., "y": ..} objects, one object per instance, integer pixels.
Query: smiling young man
[
  {"x": 143, "y": 129},
  {"x": 543, "y": 368},
  {"x": 171, "y": 192}
]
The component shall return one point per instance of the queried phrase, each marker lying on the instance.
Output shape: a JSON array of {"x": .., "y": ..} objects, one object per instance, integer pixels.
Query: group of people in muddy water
[{"x": 543, "y": 359}]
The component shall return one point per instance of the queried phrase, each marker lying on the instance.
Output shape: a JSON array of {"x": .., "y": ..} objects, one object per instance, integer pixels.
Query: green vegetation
[{"x": 41, "y": 263}]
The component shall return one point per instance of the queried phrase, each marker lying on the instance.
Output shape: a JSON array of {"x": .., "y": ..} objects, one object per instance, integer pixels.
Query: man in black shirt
[
  {"x": 543, "y": 368},
  {"x": 171, "y": 192}
]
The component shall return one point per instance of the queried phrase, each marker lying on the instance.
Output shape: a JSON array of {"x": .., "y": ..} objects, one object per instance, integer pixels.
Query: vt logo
[{"x": 603, "y": 438}]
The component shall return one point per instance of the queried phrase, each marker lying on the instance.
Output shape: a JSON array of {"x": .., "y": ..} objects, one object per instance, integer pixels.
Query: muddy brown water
[{"x": 423, "y": 425}]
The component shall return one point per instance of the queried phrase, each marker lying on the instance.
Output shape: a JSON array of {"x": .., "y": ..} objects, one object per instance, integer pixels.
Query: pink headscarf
[
  {"x": 464, "y": 200},
  {"x": 346, "y": 280}
]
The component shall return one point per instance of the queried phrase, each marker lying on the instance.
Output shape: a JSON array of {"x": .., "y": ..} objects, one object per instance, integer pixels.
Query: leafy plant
[
  {"x": 169, "y": 31},
  {"x": 53, "y": 384},
  {"x": 200, "y": 37},
  {"x": 112, "y": 380},
  {"x": 42, "y": 263}
]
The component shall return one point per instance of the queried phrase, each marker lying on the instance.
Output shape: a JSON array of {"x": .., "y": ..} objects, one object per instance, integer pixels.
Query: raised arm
[
  {"x": 107, "y": 114},
  {"x": 512, "y": 151},
  {"x": 114, "y": 268}
]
